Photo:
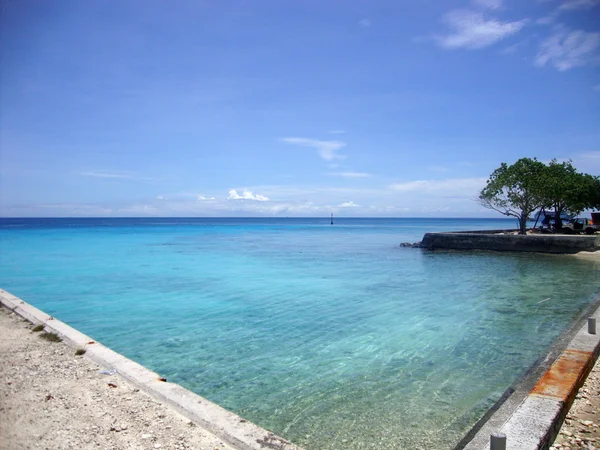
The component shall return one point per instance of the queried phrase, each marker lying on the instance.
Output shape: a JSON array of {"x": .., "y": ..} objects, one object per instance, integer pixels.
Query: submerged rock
[{"x": 413, "y": 245}]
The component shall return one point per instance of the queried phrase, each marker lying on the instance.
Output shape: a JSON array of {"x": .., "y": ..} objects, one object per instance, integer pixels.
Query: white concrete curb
[{"x": 229, "y": 427}]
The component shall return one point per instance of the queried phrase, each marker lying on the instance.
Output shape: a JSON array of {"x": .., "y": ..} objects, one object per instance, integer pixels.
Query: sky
[{"x": 288, "y": 108}]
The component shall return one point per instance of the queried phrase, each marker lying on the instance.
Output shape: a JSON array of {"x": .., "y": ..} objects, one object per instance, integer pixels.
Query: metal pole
[
  {"x": 538, "y": 216},
  {"x": 592, "y": 325},
  {"x": 497, "y": 441}
]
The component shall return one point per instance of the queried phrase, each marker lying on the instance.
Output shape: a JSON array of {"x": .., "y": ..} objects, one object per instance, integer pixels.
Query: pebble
[{"x": 578, "y": 431}]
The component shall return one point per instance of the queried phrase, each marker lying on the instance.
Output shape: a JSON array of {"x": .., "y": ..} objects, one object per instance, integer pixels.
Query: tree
[
  {"x": 569, "y": 191},
  {"x": 516, "y": 190},
  {"x": 591, "y": 191}
]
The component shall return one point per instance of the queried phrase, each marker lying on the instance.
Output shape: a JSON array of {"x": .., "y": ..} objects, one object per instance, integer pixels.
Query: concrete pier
[{"x": 504, "y": 240}]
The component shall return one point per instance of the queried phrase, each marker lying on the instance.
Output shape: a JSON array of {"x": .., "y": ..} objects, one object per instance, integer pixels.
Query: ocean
[{"x": 332, "y": 336}]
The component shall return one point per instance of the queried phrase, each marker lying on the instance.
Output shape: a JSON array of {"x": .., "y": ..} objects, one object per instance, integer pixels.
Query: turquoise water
[{"x": 332, "y": 336}]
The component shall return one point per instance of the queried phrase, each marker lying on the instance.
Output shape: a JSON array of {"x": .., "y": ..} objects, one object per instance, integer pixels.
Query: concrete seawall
[
  {"x": 532, "y": 422},
  {"x": 493, "y": 240}
]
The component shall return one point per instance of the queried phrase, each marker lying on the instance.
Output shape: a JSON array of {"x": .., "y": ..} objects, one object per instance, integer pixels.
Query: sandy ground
[
  {"x": 593, "y": 256},
  {"x": 52, "y": 399},
  {"x": 581, "y": 429}
]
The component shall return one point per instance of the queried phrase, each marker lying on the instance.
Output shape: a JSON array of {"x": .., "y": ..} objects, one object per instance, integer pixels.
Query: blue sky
[{"x": 288, "y": 108}]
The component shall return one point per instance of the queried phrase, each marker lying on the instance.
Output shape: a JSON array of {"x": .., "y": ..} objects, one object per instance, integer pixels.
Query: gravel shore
[
  {"x": 580, "y": 429},
  {"x": 52, "y": 399}
]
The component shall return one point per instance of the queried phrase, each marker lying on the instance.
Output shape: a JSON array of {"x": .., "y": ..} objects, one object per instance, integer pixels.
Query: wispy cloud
[
  {"x": 246, "y": 195},
  {"x": 328, "y": 150},
  {"x": 488, "y": 4},
  {"x": 116, "y": 175},
  {"x": 337, "y": 131},
  {"x": 202, "y": 198},
  {"x": 473, "y": 30},
  {"x": 365, "y": 23},
  {"x": 546, "y": 20},
  {"x": 565, "y": 7},
  {"x": 462, "y": 187},
  {"x": 578, "y": 4},
  {"x": 597, "y": 87},
  {"x": 588, "y": 161},
  {"x": 350, "y": 174},
  {"x": 567, "y": 49},
  {"x": 348, "y": 205},
  {"x": 105, "y": 174},
  {"x": 514, "y": 48}
]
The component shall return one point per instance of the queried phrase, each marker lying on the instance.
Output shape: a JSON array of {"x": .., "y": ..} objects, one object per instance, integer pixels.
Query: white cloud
[
  {"x": 350, "y": 174},
  {"x": 489, "y": 4},
  {"x": 161, "y": 197},
  {"x": 365, "y": 23},
  {"x": 325, "y": 149},
  {"x": 472, "y": 30},
  {"x": 568, "y": 49},
  {"x": 246, "y": 195},
  {"x": 296, "y": 201},
  {"x": 201, "y": 198},
  {"x": 456, "y": 187}
]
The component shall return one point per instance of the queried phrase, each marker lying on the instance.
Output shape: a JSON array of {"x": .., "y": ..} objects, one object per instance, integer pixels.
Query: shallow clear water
[{"x": 332, "y": 336}]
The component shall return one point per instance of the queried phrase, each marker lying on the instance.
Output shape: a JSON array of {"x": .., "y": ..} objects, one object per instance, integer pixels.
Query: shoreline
[
  {"x": 591, "y": 256},
  {"x": 230, "y": 429},
  {"x": 51, "y": 397},
  {"x": 240, "y": 434}
]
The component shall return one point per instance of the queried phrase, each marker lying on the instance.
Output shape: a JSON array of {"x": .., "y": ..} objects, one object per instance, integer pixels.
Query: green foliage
[
  {"x": 516, "y": 190},
  {"x": 37, "y": 328},
  {"x": 567, "y": 190},
  {"x": 520, "y": 189},
  {"x": 591, "y": 191}
]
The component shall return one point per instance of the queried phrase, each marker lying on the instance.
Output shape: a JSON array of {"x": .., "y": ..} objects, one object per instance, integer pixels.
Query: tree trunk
[
  {"x": 557, "y": 219},
  {"x": 523, "y": 224}
]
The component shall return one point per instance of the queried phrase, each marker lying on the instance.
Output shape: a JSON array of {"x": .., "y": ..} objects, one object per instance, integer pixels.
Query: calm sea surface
[{"x": 331, "y": 336}]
